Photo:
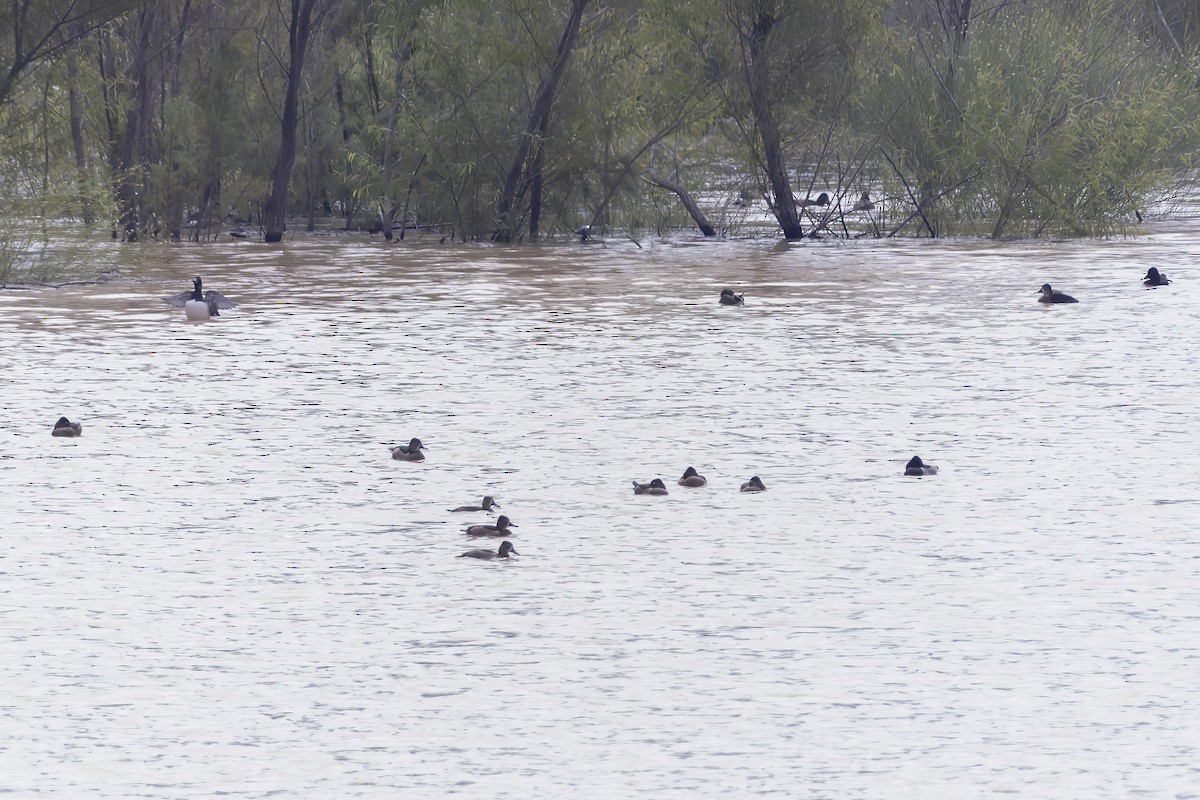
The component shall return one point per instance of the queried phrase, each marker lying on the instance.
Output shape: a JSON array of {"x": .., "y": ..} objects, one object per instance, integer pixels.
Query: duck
[
  {"x": 822, "y": 200},
  {"x": 728, "y": 298},
  {"x": 1051, "y": 296},
  {"x": 755, "y": 484},
  {"x": 506, "y": 549},
  {"x": 692, "y": 478},
  {"x": 916, "y": 466},
  {"x": 64, "y": 427},
  {"x": 199, "y": 305},
  {"x": 864, "y": 203},
  {"x": 501, "y": 527},
  {"x": 410, "y": 451},
  {"x": 656, "y": 487},
  {"x": 486, "y": 505},
  {"x": 1155, "y": 278}
]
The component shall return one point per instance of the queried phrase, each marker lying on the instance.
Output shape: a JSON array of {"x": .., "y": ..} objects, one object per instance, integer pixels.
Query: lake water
[{"x": 227, "y": 588}]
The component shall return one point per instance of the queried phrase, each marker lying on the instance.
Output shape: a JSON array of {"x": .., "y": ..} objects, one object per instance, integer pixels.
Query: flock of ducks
[
  {"x": 1051, "y": 295},
  {"x": 692, "y": 480}
]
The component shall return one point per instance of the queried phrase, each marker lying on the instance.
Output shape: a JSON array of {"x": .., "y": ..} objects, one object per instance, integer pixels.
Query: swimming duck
[
  {"x": 486, "y": 505},
  {"x": 506, "y": 549},
  {"x": 1155, "y": 278},
  {"x": 728, "y": 298},
  {"x": 1051, "y": 296},
  {"x": 755, "y": 484},
  {"x": 655, "y": 486},
  {"x": 501, "y": 527},
  {"x": 200, "y": 305},
  {"x": 64, "y": 427},
  {"x": 916, "y": 466},
  {"x": 864, "y": 203},
  {"x": 692, "y": 478},
  {"x": 410, "y": 451},
  {"x": 822, "y": 200}
]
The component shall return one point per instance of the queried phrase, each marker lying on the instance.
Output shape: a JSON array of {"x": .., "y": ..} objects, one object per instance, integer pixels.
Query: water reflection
[{"x": 227, "y": 585}]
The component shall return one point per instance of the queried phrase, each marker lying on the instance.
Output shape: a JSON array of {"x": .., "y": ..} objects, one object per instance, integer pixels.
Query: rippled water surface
[{"x": 227, "y": 588}]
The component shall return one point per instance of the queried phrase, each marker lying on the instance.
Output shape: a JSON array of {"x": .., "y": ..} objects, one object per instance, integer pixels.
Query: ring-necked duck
[
  {"x": 506, "y": 549},
  {"x": 486, "y": 505},
  {"x": 1051, "y": 296},
  {"x": 199, "y": 305},
  {"x": 864, "y": 203},
  {"x": 655, "y": 486},
  {"x": 692, "y": 478},
  {"x": 501, "y": 527},
  {"x": 1155, "y": 278},
  {"x": 64, "y": 427},
  {"x": 755, "y": 484},
  {"x": 728, "y": 298},
  {"x": 410, "y": 451},
  {"x": 916, "y": 466},
  {"x": 822, "y": 200}
]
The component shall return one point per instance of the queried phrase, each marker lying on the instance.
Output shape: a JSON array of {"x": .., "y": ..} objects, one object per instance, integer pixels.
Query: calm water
[{"x": 226, "y": 587}]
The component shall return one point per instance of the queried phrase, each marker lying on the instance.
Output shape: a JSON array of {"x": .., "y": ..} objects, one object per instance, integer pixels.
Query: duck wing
[
  {"x": 213, "y": 297},
  {"x": 178, "y": 300}
]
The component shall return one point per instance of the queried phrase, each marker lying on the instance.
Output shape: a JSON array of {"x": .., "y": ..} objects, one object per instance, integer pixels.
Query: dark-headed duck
[
  {"x": 506, "y": 549},
  {"x": 655, "y": 486},
  {"x": 1155, "y": 278},
  {"x": 728, "y": 298},
  {"x": 1051, "y": 296},
  {"x": 64, "y": 427},
  {"x": 410, "y": 451},
  {"x": 692, "y": 478},
  {"x": 916, "y": 466},
  {"x": 486, "y": 505},
  {"x": 501, "y": 527},
  {"x": 755, "y": 484},
  {"x": 199, "y": 305}
]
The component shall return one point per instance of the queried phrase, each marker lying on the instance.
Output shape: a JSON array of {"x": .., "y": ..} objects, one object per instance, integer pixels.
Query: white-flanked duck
[
  {"x": 692, "y": 478},
  {"x": 64, "y": 427},
  {"x": 410, "y": 451},
  {"x": 755, "y": 484},
  {"x": 200, "y": 305},
  {"x": 655, "y": 486},
  {"x": 1051, "y": 296},
  {"x": 1155, "y": 278},
  {"x": 506, "y": 549},
  {"x": 486, "y": 505},
  {"x": 916, "y": 466},
  {"x": 501, "y": 527}
]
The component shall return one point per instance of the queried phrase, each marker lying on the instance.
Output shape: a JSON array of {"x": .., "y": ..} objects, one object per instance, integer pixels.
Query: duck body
[
  {"x": 1049, "y": 295},
  {"x": 64, "y": 427},
  {"x": 1155, "y": 278},
  {"x": 916, "y": 467},
  {"x": 864, "y": 203},
  {"x": 410, "y": 451},
  {"x": 755, "y": 484},
  {"x": 822, "y": 200},
  {"x": 486, "y": 505},
  {"x": 655, "y": 487},
  {"x": 692, "y": 478},
  {"x": 728, "y": 298},
  {"x": 506, "y": 549},
  {"x": 199, "y": 305},
  {"x": 501, "y": 528}
]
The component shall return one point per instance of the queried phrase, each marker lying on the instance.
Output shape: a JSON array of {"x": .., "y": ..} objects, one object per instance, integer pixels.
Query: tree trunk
[
  {"x": 675, "y": 186},
  {"x": 758, "y": 83},
  {"x": 506, "y": 227},
  {"x": 76, "y": 108},
  {"x": 305, "y": 17},
  {"x": 128, "y": 200}
]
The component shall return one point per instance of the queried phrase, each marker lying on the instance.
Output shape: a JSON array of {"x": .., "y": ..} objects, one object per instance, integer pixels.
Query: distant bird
[
  {"x": 64, "y": 427},
  {"x": 864, "y": 203},
  {"x": 728, "y": 298},
  {"x": 501, "y": 527},
  {"x": 656, "y": 487},
  {"x": 486, "y": 505},
  {"x": 822, "y": 200},
  {"x": 692, "y": 478},
  {"x": 1155, "y": 278},
  {"x": 755, "y": 484},
  {"x": 916, "y": 466},
  {"x": 506, "y": 549},
  {"x": 584, "y": 233},
  {"x": 241, "y": 233},
  {"x": 1051, "y": 296},
  {"x": 410, "y": 451},
  {"x": 199, "y": 305}
]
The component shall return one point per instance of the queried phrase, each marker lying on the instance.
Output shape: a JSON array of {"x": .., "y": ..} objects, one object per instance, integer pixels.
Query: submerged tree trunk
[
  {"x": 676, "y": 187},
  {"x": 758, "y": 83},
  {"x": 76, "y": 110},
  {"x": 305, "y": 18},
  {"x": 506, "y": 225},
  {"x": 128, "y": 200}
]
